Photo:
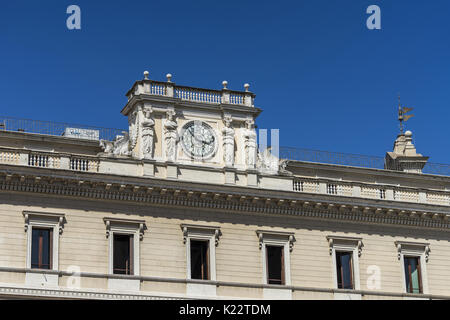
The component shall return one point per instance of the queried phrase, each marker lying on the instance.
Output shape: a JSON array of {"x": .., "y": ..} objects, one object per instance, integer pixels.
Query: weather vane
[{"x": 402, "y": 114}]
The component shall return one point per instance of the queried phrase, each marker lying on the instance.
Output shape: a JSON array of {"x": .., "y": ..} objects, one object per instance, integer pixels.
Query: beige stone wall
[{"x": 238, "y": 257}]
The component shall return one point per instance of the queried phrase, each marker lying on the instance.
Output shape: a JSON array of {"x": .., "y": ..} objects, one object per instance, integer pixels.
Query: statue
[
  {"x": 267, "y": 162},
  {"x": 228, "y": 142},
  {"x": 133, "y": 125},
  {"x": 107, "y": 146},
  {"x": 250, "y": 144},
  {"x": 170, "y": 136},
  {"x": 148, "y": 133},
  {"x": 118, "y": 147},
  {"x": 121, "y": 145}
]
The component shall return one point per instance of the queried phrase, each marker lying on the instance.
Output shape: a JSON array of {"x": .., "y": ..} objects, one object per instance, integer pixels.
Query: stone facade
[{"x": 146, "y": 183}]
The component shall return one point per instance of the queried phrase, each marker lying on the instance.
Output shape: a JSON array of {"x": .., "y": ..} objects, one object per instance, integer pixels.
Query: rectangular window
[
  {"x": 382, "y": 194},
  {"x": 200, "y": 259},
  {"x": 41, "y": 248},
  {"x": 413, "y": 277},
  {"x": 123, "y": 254},
  {"x": 344, "y": 266},
  {"x": 275, "y": 265}
]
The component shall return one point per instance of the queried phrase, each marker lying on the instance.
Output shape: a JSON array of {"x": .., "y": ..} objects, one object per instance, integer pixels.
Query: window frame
[
  {"x": 44, "y": 220},
  {"x": 346, "y": 244},
  {"x": 211, "y": 234},
  {"x": 208, "y": 262},
  {"x": 277, "y": 239},
  {"x": 131, "y": 246},
  {"x": 50, "y": 253},
  {"x": 352, "y": 269},
  {"x": 115, "y": 226},
  {"x": 417, "y": 250}
]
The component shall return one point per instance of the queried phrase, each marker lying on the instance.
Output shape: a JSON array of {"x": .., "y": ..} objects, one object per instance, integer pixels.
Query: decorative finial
[
  {"x": 146, "y": 73},
  {"x": 169, "y": 77},
  {"x": 246, "y": 86},
  {"x": 224, "y": 83},
  {"x": 402, "y": 114}
]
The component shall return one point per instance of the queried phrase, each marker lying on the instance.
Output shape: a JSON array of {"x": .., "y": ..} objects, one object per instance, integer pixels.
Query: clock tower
[{"x": 173, "y": 126}]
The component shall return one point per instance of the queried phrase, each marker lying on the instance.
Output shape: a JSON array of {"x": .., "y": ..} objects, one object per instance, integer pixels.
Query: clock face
[{"x": 198, "y": 140}]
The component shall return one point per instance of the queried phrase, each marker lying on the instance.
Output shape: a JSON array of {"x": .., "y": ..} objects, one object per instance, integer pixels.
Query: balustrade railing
[
  {"x": 199, "y": 95},
  {"x": 43, "y": 160},
  {"x": 83, "y": 164}
]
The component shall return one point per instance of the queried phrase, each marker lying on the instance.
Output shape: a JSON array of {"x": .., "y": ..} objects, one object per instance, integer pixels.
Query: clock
[{"x": 198, "y": 139}]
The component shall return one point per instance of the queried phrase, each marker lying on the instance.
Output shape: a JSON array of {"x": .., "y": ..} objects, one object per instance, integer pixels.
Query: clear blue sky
[{"x": 320, "y": 76}]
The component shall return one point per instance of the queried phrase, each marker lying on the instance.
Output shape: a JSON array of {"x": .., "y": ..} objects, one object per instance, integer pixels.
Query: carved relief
[
  {"x": 267, "y": 162},
  {"x": 133, "y": 125},
  {"x": 119, "y": 147},
  {"x": 170, "y": 135},
  {"x": 228, "y": 142},
  {"x": 148, "y": 133},
  {"x": 250, "y": 144}
]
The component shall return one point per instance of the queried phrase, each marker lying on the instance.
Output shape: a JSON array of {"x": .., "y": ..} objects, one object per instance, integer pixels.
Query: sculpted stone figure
[
  {"x": 133, "y": 128},
  {"x": 121, "y": 145},
  {"x": 107, "y": 146},
  {"x": 267, "y": 162},
  {"x": 228, "y": 142},
  {"x": 148, "y": 133},
  {"x": 250, "y": 144},
  {"x": 170, "y": 136}
]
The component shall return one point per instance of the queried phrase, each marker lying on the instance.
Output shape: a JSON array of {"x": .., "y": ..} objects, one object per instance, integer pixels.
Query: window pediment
[
  {"x": 414, "y": 248},
  {"x": 266, "y": 235},
  {"x": 125, "y": 225},
  {"x": 341, "y": 242},
  {"x": 191, "y": 230},
  {"x": 46, "y": 218}
]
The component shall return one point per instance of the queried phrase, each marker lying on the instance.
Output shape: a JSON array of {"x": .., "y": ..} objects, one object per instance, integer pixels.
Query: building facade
[{"x": 183, "y": 205}]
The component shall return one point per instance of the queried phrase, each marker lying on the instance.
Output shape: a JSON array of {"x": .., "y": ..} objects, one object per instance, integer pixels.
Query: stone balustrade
[
  {"x": 371, "y": 192},
  {"x": 301, "y": 185},
  {"x": 198, "y": 95}
]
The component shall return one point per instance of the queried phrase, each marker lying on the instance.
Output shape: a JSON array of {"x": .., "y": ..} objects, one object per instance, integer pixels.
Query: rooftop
[{"x": 85, "y": 132}]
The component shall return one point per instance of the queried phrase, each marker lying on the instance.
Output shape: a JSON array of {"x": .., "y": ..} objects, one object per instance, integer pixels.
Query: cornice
[
  {"x": 141, "y": 98},
  {"x": 162, "y": 192}
]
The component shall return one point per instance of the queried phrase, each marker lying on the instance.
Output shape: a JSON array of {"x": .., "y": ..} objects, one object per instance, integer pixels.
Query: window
[
  {"x": 123, "y": 254},
  {"x": 41, "y": 248},
  {"x": 412, "y": 275},
  {"x": 124, "y": 240},
  {"x": 344, "y": 271},
  {"x": 201, "y": 242},
  {"x": 413, "y": 257},
  {"x": 345, "y": 253},
  {"x": 382, "y": 194},
  {"x": 43, "y": 230},
  {"x": 276, "y": 248},
  {"x": 200, "y": 259},
  {"x": 275, "y": 265},
  {"x": 331, "y": 188}
]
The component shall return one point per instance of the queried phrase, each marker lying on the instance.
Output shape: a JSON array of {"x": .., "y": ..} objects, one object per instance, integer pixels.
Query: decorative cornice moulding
[{"x": 187, "y": 195}]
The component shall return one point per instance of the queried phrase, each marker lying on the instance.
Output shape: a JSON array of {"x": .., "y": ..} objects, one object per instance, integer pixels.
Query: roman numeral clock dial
[{"x": 198, "y": 140}]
